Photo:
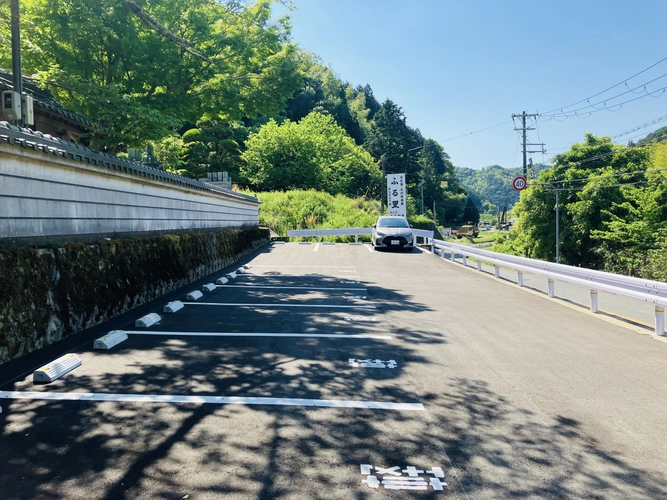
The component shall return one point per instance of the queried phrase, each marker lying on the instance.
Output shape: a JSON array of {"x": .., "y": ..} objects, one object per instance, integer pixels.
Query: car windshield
[{"x": 393, "y": 222}]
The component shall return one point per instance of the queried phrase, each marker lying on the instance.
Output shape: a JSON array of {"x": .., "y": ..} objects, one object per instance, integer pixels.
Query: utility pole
[
  {"x": 422, "y": 191},
  {"x": 524, "y": 129},
  {"x": 17, "y": 77},
  {"x": 383, "y": 162}
]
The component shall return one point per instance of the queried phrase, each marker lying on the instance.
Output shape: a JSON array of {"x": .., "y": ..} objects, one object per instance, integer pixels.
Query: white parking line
[
  {"x": 317, "y": 246},
  {"x": 220, "y": 400},
  {"x": 369, "y": 248},
  {"x": 273, "y": 305},
  {"x": 291, "y": 287},
  {"x": 266, "y": 265},
  {"x": 231, "y": 334},
  {"x": 314, "y": 275}
]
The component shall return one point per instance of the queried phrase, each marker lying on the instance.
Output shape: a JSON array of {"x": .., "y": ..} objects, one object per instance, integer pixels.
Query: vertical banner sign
[{"x": 396, "y": 195}]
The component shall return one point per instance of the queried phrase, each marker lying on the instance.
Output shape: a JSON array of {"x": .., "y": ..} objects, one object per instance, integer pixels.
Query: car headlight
[{"x": 380, "y": 234}]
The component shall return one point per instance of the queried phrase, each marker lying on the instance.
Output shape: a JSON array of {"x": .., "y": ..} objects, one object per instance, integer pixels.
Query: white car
[{"x": 392, "y": 232}]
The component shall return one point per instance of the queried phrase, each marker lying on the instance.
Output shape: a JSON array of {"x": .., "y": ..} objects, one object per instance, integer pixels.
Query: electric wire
[
  {"x": 476, "y": 131},
  {"x": 575, "y": 112},
  {"x": 608, "y": 89},
  {"x": 642, "y": 134},
  {"x": 601, "y": 186},
  {"x": 539, "y": 139},
  {"x": 516, "y": 150},
  {"x": 598, "y": 177},
  {"x": 639, "y": 127}
]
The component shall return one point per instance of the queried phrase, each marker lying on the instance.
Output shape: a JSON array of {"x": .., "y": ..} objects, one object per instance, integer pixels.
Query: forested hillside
[
  {"x": 655, "y": 136},
  {"x": 491, "y": 187},
  {"x": 217, "y": 86},
  {"x": 613, "y": 209}
]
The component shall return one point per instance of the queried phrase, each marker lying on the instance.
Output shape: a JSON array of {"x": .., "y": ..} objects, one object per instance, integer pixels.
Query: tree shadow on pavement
[{"x": 500, "y": 450}]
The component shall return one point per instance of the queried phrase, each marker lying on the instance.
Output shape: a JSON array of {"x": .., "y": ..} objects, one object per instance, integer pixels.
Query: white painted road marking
[
  {"x": 268, "y": 274},
  {"x": 233, "y": 334},
  {"x": 359, "y": 318},
  {"x": 220, "y": 400},
  {"x": 393, "y": 479},
  {"x": 317, "y": 246},
  {"x": 297, "y": 287},
  {"x": 370, "y": 363},
  {"x": 266, "y": 265},
  {"x": 369, "y": 248},
  {"x": 275, "y": 305}
]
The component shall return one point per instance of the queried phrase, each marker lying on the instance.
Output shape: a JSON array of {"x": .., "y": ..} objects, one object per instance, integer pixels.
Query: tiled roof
[{"x": 44, "y": 99}]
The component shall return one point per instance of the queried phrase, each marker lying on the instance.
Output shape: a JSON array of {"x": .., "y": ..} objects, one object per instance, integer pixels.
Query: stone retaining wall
[{"x": 50, "y": 293}]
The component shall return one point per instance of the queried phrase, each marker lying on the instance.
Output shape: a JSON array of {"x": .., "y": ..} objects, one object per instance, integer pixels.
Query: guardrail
[
  {"x": 654, "y": 292},
  {"x": 427, "y": 236},
  {"x": 310, "y": 233}
]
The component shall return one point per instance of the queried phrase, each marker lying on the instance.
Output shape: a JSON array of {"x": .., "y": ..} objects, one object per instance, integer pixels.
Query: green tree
[
  {"x": 590, "y": 201},
  {"x": 211, "y": 148},
  {"x": 169, "y": 152},
  {"x": 313, "y": 154},
  {"x": 441, "y": 184},
  {"x": 470, "y": 213},
  {"x": 634, "y": 227},
  {"x": 390, "y": 140},
  {"x": 142, "y": 79},
  {"x": 322, "y": 91}
]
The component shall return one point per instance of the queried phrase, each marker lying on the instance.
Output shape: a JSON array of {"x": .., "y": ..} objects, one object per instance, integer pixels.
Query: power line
[
  {"x": 476, "y": 131},
  {"x": 639, "y": 127},
  {"x": 641, "y": 134},
  {"x": 656, "y": 181},
  {"x": 537, "y": 129},
  {"x": 592, "y": 158},
  {"x": 606, "y": 176},
  {"x": 606, "y": 90},
  {"x": 575, "y": 112}
]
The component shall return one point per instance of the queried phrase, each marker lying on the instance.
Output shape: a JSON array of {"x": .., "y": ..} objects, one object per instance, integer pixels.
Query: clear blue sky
[{"x": 459, "y": 66}]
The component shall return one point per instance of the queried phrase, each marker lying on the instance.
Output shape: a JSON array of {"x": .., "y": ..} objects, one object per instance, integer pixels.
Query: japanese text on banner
[{"x": 396, "y": 195}]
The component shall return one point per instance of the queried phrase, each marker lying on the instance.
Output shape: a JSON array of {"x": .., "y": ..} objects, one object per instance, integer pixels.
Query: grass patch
[{"x": 300, "y": 209}]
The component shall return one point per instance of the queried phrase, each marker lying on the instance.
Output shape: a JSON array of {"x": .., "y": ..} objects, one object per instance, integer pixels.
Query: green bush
[{"x": 299, "y": 209}]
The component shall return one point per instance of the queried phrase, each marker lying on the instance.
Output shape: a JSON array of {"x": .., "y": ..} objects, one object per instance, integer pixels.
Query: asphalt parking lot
[{"x": 333, "y": 371}]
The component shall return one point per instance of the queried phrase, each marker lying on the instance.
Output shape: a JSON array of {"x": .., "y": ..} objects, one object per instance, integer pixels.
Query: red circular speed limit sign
[{"x": 519, "y": 183}]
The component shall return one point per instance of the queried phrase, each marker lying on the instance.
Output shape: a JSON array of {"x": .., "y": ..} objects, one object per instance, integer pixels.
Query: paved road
[
  {"x": 634, "y": 313},
  {"x": 259, "y": 391}
]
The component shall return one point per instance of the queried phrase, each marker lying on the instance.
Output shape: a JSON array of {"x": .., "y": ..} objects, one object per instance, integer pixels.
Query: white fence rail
[
  {"x": 310, "y": 233},
  {"x": 650, "y": 291},
  {"x": 427, "y": 236},
  {"x": 654, "y": 292}
]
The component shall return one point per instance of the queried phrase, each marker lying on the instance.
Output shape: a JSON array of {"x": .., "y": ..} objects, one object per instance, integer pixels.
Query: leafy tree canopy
[
  {"x": 314, "y": 153},
  {"x": 589, "y": 178},
  {"x": 324, "y": 92},
  {"x": 656, "y": 136},
  {"x": 107, "y": 60}
]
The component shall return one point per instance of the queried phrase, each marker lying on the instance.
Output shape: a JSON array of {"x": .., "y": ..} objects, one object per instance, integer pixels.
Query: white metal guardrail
[
  {"x": 427, "y": 236},
  {"x": 654, "y": 292},
  {"x": 310, "y": 233}
]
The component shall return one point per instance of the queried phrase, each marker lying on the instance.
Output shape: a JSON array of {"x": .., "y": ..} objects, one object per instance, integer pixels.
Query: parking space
[
  {"x": 287, "y": 374},
  {"x": 336, "y": 372}
]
